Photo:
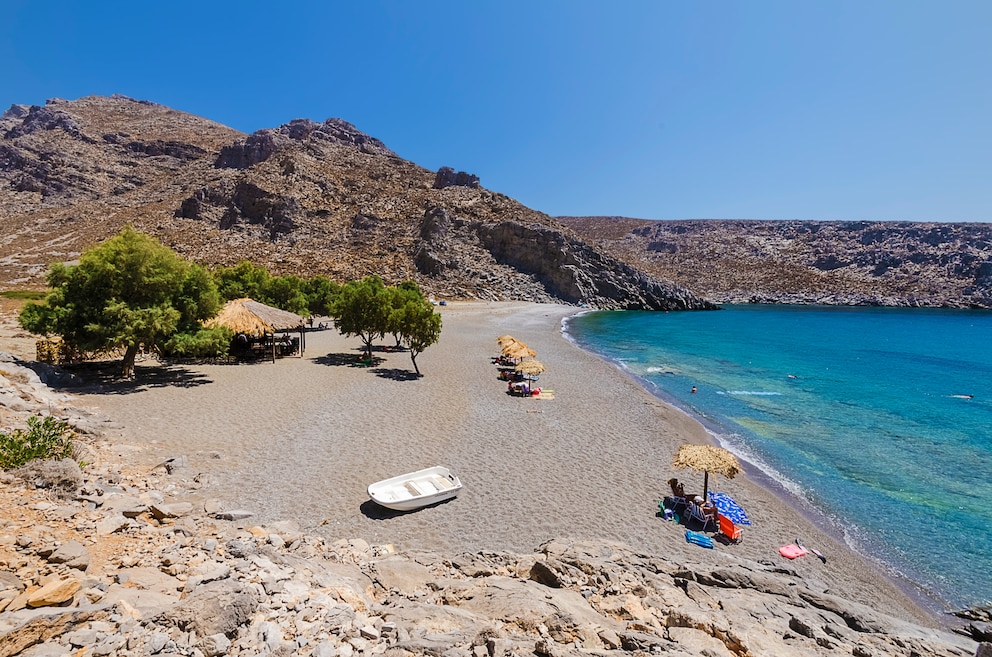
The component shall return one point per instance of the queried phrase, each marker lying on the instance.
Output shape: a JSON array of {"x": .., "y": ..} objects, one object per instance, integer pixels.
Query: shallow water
[{"x": 880, "y": 419}]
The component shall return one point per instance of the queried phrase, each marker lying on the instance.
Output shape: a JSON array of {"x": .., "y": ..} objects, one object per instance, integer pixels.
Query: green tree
[
  {"x": 243, "y": 280},
  {"x": 419, "y": 327},
  {"x": 321, "y": 294},
  {"x": 362, "y": 309},
  {"x": 288, "y": 293},
  {"x": 400, "y": 295},
  {"x": 128, "y": 292}
]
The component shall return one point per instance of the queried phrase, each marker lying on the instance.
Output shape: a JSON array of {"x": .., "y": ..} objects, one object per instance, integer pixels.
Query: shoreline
[
  {"x": 931, "y": 604},
  {"x": 304, "y": 440}
]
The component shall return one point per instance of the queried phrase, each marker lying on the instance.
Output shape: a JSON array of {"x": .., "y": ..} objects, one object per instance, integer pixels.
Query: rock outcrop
[
  {"x": 305, "y": 198},
  {"x": 557, "y": 267},
  {"x": 824, "y": 262}
]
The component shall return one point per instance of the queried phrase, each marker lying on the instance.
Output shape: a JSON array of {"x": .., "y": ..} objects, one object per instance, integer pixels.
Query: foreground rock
[{"x": 191, "y": 584}]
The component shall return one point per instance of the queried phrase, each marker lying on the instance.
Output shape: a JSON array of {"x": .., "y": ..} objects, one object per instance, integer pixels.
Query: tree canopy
[
  {"x": 369, "y": 310},
  {"x": 312, "y": 296},
  {"x": 127, "y": 293},
  {"x": 413, "y": 320},
  {"x": 362, "y": 309}
]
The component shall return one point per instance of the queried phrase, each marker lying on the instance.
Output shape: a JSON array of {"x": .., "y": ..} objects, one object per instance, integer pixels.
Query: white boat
[{"x": 416, "y": 489}]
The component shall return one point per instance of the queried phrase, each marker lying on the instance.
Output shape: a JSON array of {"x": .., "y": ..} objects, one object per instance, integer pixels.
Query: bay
[{"x": 878, "y": 419}]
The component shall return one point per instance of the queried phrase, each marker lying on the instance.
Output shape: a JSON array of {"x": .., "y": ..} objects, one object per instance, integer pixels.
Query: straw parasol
[
  {"x": 530, "y": 367},
  {"x": 707, "y": 459},
  {"x": 254, "y": 318},
  {"x": 504, "y": 340},
  {"x": 518, "y": 350}
]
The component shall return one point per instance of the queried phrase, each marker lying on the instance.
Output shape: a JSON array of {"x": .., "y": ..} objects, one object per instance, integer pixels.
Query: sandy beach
[{"x": 303, "y": 437}]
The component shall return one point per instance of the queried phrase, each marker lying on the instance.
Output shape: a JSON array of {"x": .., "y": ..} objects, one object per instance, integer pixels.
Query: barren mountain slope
[
  {"x": 833, "y": 262},
  {"x": 305, "y": 198}
]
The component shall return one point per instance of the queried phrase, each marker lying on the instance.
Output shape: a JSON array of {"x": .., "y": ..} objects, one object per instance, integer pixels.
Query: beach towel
[
  {"x": 729, "y": 507},
  {"x": 791, "y": 551},
  {"x": 702, "y": 540}
]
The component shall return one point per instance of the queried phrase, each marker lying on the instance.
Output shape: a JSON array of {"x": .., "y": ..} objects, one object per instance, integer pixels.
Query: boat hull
[{"x": 415, "y": 490}]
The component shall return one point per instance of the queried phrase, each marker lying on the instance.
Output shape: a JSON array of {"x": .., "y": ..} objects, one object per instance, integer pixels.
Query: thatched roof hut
[{"x": 254, "y": 318}]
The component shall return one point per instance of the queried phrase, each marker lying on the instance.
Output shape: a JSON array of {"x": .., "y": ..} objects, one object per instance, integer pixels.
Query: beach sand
[{"x": 303, "y": 437}]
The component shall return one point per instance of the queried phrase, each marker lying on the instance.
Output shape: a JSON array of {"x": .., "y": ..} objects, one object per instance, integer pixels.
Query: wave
[
  {"x": 661, "y": 370},
  {"x": 753, "y": 393}
]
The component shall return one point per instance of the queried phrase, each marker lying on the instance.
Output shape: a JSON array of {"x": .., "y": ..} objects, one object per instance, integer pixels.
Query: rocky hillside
[
  {"x": 828, "y": 262},
  {"x": 305, "y": 198}
]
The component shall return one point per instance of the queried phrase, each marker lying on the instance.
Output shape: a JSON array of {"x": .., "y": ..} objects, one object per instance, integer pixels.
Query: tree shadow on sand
[
  {"x": 335, "y": 360},
  {"x": 104, "y": 378},
  {"x": 394, "y": 374}
]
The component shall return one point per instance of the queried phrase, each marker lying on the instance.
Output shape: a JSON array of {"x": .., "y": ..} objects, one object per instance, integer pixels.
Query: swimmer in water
[{"x": 693, "y": 389}]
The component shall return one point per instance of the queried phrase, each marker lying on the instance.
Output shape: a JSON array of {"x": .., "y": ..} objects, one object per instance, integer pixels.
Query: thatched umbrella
[
  {"x": 504, "y": 340},
  {"x": 707, "y": 459},
  {"x": 518, "y": 350},
  {"x": 533, "y": 367}
]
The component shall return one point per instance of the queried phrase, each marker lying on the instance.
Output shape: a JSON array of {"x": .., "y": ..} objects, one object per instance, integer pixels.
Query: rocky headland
[{"x": 852, "y": 263}]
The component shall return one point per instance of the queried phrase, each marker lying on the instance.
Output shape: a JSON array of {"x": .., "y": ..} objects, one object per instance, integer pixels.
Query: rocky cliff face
[
  {"x": 842, "y": 262},
  {"x": 304, "y": 198}
]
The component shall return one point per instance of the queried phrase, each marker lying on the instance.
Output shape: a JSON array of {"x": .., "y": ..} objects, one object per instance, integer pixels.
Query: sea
[{"x": 877, "y": 420}]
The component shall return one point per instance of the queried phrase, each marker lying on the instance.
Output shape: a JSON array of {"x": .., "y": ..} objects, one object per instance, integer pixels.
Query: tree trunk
[
  {"x": 413, "y": 358},
  {"x": 127, "y": 367}
]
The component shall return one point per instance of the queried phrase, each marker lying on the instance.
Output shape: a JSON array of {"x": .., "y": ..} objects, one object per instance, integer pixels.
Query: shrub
[
  {"x": 46, "y": 438},
  {"x": 25, "y": 295}
]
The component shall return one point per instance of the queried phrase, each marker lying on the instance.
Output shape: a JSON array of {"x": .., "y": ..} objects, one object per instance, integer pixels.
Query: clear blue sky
[{"x": 659, "y": 109}]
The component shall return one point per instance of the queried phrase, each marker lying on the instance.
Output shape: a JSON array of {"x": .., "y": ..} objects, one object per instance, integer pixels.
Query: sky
[{"x": 656, "y": 109}]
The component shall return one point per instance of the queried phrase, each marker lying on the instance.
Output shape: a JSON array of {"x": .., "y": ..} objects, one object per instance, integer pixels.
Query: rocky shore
[{"x": 109, "y": 559}]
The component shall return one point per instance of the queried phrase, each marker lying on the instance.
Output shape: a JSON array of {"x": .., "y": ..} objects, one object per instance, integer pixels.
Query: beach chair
[
  {"x": 678, "y": 496},
  {"x": 727, "y": 527},
  {"x": 696, "y": 511}
]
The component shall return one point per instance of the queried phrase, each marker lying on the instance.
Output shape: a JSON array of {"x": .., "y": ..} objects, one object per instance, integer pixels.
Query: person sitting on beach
[
  {"x": 708, "y": 509},
  {"x": 678, "y": 490}
]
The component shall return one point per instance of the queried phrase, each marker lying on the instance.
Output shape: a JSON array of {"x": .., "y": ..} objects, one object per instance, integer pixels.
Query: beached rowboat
[{"x": 416, "y": 489}]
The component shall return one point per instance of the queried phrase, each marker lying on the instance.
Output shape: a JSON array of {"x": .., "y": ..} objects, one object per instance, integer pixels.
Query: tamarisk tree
[
  {"x": 413, "y": 320},
  {"x": 128, "y": 292}
]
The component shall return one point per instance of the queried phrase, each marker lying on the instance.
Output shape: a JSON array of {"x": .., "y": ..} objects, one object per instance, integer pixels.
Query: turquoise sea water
[{"x": 879, "y": 418}]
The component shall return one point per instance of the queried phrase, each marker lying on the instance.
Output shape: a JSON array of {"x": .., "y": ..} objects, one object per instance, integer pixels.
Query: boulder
[
  {"x": 54, "y": 592},
  {"x": 73, "y": 554}
]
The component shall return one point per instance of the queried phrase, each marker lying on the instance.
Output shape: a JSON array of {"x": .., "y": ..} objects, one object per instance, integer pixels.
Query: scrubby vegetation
[{"x": 45, "y": 438}]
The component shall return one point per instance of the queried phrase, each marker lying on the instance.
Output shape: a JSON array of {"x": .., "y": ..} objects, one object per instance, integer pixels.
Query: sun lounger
[{"x": 729, "y": 529}]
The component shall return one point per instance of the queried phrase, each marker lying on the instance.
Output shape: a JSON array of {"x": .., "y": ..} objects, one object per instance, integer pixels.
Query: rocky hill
[
  {"x": 305, "y": 198},
  {"x": 828, "y": 262}
]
